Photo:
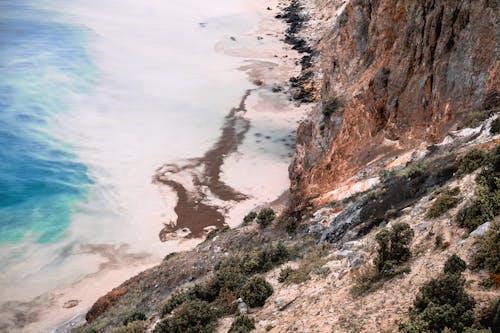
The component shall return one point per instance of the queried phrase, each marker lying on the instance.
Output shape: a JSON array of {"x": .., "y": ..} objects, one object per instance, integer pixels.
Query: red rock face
[{"x": 406, "y": 72}]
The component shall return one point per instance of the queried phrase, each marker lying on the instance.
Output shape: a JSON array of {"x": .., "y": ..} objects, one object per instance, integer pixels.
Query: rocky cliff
[{"x": 393, "y": 75}]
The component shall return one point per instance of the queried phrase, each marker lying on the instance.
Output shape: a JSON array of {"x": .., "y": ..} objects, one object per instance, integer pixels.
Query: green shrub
[
  {"x": 495, "y": 126},
  {"x": 393, "y": 248},
  {"x": 454, "y": 265},
  {"x": 218, "y": 231},
  {"x": 135, "y": 316},
  {"x": 486, "y": 283},
  {"x": 486, "y": 203},
  {"x": 242, "y": 324},
  {"x": 136, "y": 326},
  {"x": 330, "y": 106},
  {"x": 491, "y": 316},
  {"x": 265, "y": 217},
  {"x": 249, "y": 218},
  {"x": 475, "y": 118},
  {"x": 312, "y": 262},
  {"x": 255, "y": 292},
  {"x": 487, "y": 254},
  {"x": 285, "y": 274},
  {"x": 207, "y": 291},
  {"x": 190, "y": 317},
  {"x": 393, "y": 251},
  {"x": 471, "y": 161},
  {"x": 442, "y": 303},
  {"x": 291, "y": 225},
  {"x": 170, "y": 255},
  {"x": 265, "y": 259},
  {"x": 446, "y": 200},
  {"x": 174, "y": 301},
  {"x": 440, "y": 244}
]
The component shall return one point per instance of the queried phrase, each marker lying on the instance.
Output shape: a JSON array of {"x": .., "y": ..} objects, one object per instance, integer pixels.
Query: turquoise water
[{"x": 42, "y": 60}]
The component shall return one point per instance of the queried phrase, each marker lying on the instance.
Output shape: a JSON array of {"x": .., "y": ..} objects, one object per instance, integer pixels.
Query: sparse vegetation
[
  {"x": 486, "y": 203},
  {"x": 217, "y": 231},
  {"x": 440, "y": 243},
  {"x": 445, "y": 200},
  {"x": 229, "y": 277},
  {"x": 311, "y": 263},
  {"x": 249, "y": 218},
  {"x": 454, "y": 265},
  {"x": 284, "y": 274},
  {"x": 242, "y": 324},
  {"x": 291, "y": 225},
  {"x": 256, "y": 291},
  {"x": 487, "y": 283},
  {"x": 393, "y": 252},
  {"x": 265, "y": 217},
  {"x": 487, "y": 255},
  {"x": 136, "y": 326},
  {"x": 135, "y": 316},
  {"x": 442, "y": 303},
  {"x": 476, "y": 118},
  {"x": 394, "y": 248},
  {"x": 191, "y": 317},
  {"x": 170, "y": 255},
  {"x": 495, "y": 126},
  {"x": 491, "y": 316},
  {"x": 471, "y": 161}
]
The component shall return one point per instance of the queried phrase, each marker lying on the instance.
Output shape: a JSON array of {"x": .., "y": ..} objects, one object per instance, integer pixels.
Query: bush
[
  {"x": 446, "y": 200},
  {"x": 476, "y": 118},
  {"x": 311, "y": 263},
  {"x": 454, "y": 265},
  {"x": 285, "y": 274},
  {"x": 442, "y": 303},
  {"x": 249, "y": 218},
  {"x": 265, "y": 259},
  {"x": 486, "y": 203},
  {"x": 486, "y": 283},
  {"x": 440, "y": 244},
  {"x": 170, "y": 255},
  {"x": 191, "y": 317},
  {"x": 255, "y": 292},
  {"x": 136, "y": 316},
  {"x": 487, "y": 255},
  {"x": 495, "y": 126},
  {"x": 291, "y": 225},
  {"x": 491, "y": 316},
  {"x": 132, "y": 327},
  {"x": 174, "y": 301},
  {"x": 394, "y": 248},
  {"x": 471, "y": 161},
  {"x": 217, "y": 231},
  {"x": 265, "y": 217},
  {"x": 242, "y": 324},
  {"x": 204, "y": 291}
]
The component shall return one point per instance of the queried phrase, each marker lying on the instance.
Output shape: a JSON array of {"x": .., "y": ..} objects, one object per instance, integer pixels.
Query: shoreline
[
  {"x": 218, "y": 195},
  {"x": 207, "y": 189}
]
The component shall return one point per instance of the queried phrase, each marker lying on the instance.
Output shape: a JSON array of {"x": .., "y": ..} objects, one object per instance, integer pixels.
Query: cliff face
[{"x": 395, "y": 74}]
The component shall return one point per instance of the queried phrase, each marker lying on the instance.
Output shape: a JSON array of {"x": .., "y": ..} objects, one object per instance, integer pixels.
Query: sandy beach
[{"x": 246, "y": 167}]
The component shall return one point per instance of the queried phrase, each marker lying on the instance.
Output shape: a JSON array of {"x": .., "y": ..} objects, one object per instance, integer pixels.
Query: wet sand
[{"x": 209, "y": 189}]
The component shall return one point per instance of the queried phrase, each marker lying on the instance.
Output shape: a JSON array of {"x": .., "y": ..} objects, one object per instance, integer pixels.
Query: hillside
[{"x": 396, "y": 173}]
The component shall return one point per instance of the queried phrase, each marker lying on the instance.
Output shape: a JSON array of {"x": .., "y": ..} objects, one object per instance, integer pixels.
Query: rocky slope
[
  {"x": 407, "y": 94},
  {"x": 394, "y": 74}
]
